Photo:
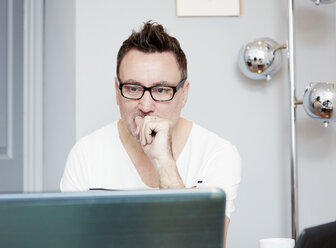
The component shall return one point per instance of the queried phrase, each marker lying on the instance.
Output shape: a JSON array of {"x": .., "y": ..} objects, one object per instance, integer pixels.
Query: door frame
[{"x": 33, "y": 95}]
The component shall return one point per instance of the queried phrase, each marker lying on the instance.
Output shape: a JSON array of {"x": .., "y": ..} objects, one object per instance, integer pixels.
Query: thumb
[{"x": 138, "y": 122}]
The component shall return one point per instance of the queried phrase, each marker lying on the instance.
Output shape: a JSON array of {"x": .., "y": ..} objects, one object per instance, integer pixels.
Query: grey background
[
  {"x": 11, "y": 155},
  {"x": 3, "y": 77},
  {"x": 82, "y": 40}
]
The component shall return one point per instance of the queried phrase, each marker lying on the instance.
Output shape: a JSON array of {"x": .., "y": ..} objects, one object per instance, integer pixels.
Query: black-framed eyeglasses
[{"x": 160, "y": 93}]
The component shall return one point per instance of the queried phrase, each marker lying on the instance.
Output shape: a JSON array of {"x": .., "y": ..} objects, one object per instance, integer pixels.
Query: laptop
[
  {"x": 322, "y": 236},
  {"x": 148, "y": 218}
]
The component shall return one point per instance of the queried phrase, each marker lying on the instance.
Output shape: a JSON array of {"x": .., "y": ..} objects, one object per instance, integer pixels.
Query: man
[
  {"x": 151, "y": 146},
  {"x": 317, "y": 106}
]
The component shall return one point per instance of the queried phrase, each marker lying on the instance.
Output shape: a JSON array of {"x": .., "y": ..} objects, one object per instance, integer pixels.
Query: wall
[
  {"x": 252, "y": 115},
  {"x": 59, "y": 111},
  {"x": 316, "y": 61},
  {"x": 11, "y": 85}
]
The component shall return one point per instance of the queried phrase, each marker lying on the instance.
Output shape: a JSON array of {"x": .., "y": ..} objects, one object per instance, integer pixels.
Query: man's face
[{"x": 150, "y": 69}]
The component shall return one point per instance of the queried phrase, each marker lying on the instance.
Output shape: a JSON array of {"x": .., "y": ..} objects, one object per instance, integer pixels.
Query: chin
[{"x": 128, "y": 126}]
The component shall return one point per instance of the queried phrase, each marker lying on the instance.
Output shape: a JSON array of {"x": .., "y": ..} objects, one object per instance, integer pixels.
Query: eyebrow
[
  {"x": 160, "y": 83},
  {"x": 129, "y": 81}
]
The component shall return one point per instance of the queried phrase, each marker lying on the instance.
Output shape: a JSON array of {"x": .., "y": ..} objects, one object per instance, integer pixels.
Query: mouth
[{"x": 138, "y": 115}]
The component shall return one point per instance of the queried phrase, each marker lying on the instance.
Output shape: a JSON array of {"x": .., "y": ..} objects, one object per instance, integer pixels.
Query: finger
[
  {"x": 148, "y": 129},
  {"x": 141, "y": 136},
  {"x": 138, "y": 121},
  {"x": 148, "y": 134},
  {"x": 137, "y": 131},
  {"x": 143, "y": 133},
  {"x": 138, "y": 124}
]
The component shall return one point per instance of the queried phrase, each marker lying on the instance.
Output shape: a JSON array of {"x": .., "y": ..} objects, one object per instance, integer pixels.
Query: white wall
[
  {"x": 59, "y": 110},
  {"x": 316, "y": 62},
  {"x": 252, "y": 115}
]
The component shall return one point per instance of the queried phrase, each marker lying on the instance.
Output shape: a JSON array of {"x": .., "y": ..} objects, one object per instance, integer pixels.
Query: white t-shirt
[{"x": 99, "y": 160}]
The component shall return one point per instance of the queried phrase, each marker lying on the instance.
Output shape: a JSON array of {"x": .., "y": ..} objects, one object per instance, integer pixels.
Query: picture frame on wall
[{"x": 193, "y": 8}]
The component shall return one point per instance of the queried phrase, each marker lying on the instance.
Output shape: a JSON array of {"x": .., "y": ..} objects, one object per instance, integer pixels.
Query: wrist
[
  {"x": 169, "y": 177},
  {"x": 164, "y": 162}
]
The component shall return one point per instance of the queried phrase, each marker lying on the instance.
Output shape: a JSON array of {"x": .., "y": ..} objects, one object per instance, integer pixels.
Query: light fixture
[
  {"x": 318, "y": 2},
  {"x": 319, "y": 101},
  {"x": 261, "y": 59}
]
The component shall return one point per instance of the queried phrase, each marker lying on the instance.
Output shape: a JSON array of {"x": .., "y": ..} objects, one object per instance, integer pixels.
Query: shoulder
[
  {"x": 87, "y": 155},
  {"x": 209, "y": 140},
  {"x": 216, "y": 153},
  {"x": 96, "y": 141},
  {"x": 100, "y": 135}
]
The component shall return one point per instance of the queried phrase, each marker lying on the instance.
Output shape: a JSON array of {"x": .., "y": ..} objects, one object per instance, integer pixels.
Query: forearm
[
  {"x": 226, "y": 226},
  {"x": 155, "y": 137},
  {"x": 169, "y": 177}
]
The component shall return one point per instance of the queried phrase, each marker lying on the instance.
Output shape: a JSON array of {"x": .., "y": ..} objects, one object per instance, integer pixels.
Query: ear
[
  {"x": 185, "y": 92},
  {"x": 117, "y": 91}
]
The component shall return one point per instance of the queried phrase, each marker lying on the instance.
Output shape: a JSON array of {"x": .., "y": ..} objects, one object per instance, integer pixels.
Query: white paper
[{"x": 208, "y": 7}]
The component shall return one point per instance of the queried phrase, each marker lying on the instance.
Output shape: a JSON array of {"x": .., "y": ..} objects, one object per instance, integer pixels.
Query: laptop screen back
[{"x": 152, "y": 218}]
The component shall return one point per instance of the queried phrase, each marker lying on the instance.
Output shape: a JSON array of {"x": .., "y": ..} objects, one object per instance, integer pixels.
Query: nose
[{"x": 146, "y": 103}]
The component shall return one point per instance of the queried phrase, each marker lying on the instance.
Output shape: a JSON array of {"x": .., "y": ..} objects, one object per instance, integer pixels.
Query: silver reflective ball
[
  {"x": 319, "y": 100},
  {"x": 318, "y": 2},
  {"x": 260, "y": 59}
]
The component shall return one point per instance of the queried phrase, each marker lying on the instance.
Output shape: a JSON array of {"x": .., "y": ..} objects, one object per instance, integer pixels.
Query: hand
[{"x": 154, "y": 135}]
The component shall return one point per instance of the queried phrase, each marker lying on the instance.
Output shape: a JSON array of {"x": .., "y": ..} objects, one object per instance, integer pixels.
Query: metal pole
[{"x": 293, "y": 160}]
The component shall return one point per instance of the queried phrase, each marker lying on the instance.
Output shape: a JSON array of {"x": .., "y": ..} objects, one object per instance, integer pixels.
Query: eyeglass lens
[{"x": 159, "y": 93}]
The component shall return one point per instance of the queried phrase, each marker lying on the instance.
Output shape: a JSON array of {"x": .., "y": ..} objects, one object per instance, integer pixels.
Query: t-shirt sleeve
[
  {"x": 223, "y": 170},
  {"x": 75, "y": 176}
]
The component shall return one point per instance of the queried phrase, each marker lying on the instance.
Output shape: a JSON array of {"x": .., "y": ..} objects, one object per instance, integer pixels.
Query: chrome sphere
[
  {"x": 319, "y": 100},
  {"x": 318, "y": 2},
  {"x": 260, "y": 59}
]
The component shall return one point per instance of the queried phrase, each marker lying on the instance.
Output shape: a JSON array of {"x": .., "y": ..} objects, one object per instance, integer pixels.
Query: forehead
[{"x": 149, "y": 67}]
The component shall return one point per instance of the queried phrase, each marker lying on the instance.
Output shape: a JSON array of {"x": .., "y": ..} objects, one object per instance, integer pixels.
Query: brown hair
[{"x": 150, "y": 39}]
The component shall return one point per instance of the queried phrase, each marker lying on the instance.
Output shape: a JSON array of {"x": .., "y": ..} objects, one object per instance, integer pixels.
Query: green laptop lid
[{"x": 150, "y": 218}]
